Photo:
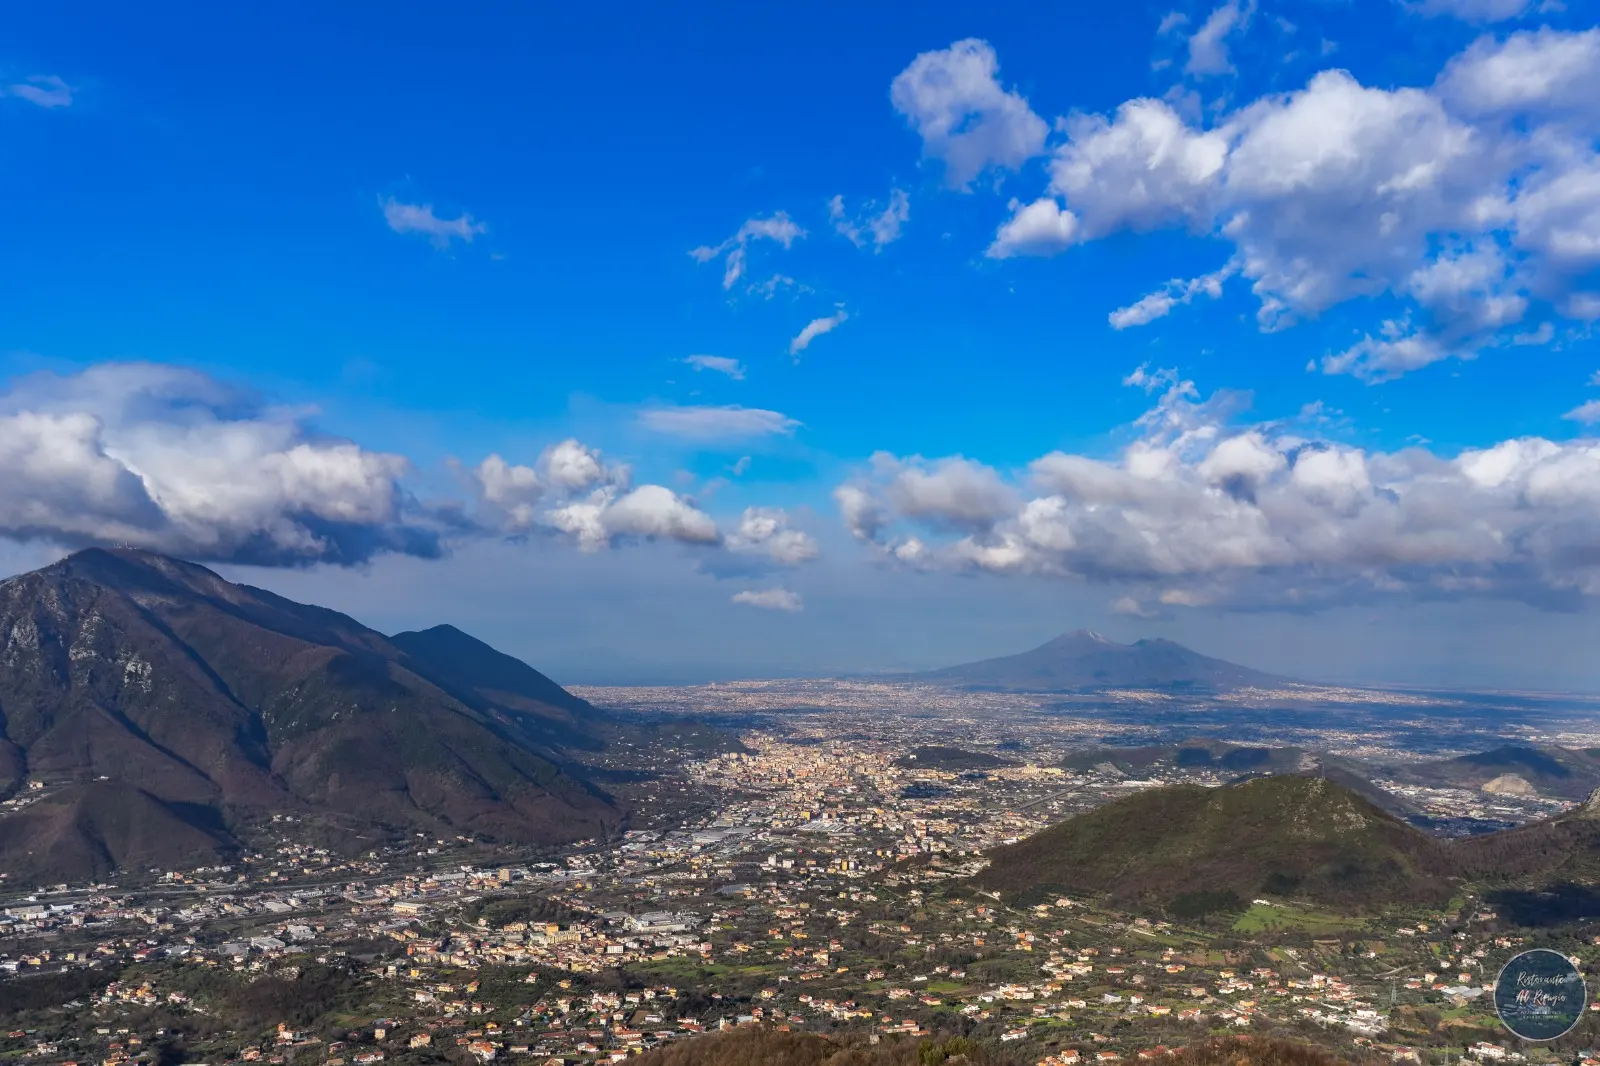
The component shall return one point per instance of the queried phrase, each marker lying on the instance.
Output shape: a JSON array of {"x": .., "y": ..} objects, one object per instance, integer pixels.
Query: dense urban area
[{"x": 809, "y": 873}]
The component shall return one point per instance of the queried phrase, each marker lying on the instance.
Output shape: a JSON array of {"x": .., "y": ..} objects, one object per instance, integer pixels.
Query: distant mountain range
[
  {"x": 152, "y": 713},
  {"x": 1086, "y": 661}
]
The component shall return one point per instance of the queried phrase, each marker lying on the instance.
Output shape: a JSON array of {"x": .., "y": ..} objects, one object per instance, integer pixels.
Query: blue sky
[{"x": 279, "y": 283}]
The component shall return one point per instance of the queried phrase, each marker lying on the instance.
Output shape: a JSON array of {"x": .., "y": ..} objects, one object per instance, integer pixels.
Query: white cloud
[
  {"x": 707, "y": 423},
  {"x": 1208, "y": 48},
  {"x": 719, "y": 363},
  {"x": 814, "y": 329},
  {"x": 778, "y": 228},
  {"x": 1474, "y": 201},
  {"x": 649, "y": 512},
  {"x": 512, "y": 494},
  {"x": 872, "y": 229},
  {"x": 1144, "y": 168},
  {"x": 1142, "y": 377},
  {"x": 1395, "y": 351},
  {"x": 170, "y": 459},
  {"x": 1175, "y": 293},
  {"x": 953, "y": 491},
  {"x": 1199, "y": 509},
  {"x": 42, "y": 90},
  {"x": 1039, "y": 228},
  {"x": 1471, "y": 10},
  {"x": 1587, "y": 413},
  {"x": 419, "y": 218},
  {"x": 765, "y": 531},
  {"x": 654, "y": 511},
  {"x": 571, "y": 490},
  {"x": 953, "y": 99},
  {"x": 778, "y": 599},
  {"x": 1545, "y": 71},
  {"x": 863, "y": 515}
]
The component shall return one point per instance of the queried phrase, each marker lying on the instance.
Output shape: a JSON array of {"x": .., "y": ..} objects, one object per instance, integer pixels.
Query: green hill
[{"x": 1304, "y": 837}]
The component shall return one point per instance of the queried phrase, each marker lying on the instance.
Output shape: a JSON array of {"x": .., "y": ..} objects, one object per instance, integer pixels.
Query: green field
[{"x": 1262, "y": 919}]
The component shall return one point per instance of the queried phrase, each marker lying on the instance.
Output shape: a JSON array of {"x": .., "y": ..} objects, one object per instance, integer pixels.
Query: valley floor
[{"x": 811, "y": 877}]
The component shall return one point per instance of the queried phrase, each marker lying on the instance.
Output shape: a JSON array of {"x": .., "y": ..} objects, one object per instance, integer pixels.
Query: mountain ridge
[{"x": 217, "y": 703}]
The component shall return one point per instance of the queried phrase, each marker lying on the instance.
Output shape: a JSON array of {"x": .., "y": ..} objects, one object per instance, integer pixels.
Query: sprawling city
[{"x": 812, "y": 863}]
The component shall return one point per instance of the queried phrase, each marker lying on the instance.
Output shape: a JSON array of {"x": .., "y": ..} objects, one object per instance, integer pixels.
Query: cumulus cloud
[
  {"x": 571, "y": 490},
  {"x": 1473, "y": 201},
  {"x": 954, "y": 101},
  {"x": 863, "y": 515},
  {"x": 778, "y": 599},
  {"x": 814, "y": 329},
  {"x": 950, "y": 494},
  {"x": 708, "y": 423},
  {"x": 42, "y": 90},
  {"x": 1544, "y": 70},
  {"x": 778, "y": 228},
  {"x": 1141, "y": 169},
  {"x": 1039, "y": 228},
  {"x": 872, "y": 227},
  {"x": 649, "y": 512},
  {"x": 765, "y": 531},
  {"x": 512, "y": 494},
  {"x": 170, "y": 459},
  {"x": 719, "y": 363},
  {"x": 1201, "y": 508},
  {"x": 420, "y": 218}
]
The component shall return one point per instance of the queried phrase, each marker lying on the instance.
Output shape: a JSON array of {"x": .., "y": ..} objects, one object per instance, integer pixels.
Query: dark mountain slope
[
  {"x": 1283, "y": 835},
  {"x": 228, "y": 702},
  {"x": 93, "y": 830},
  {"x": 475, "y": 672},
  {"x": 1563, "y": 849},
  {"x": 1083, "y": 660}
]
